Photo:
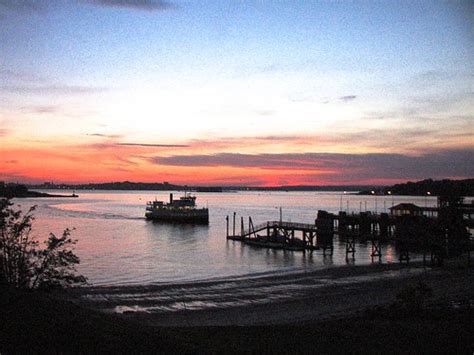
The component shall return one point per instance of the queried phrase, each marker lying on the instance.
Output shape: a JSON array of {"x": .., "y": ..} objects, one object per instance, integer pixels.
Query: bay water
[{"x": 118, "y": 246}]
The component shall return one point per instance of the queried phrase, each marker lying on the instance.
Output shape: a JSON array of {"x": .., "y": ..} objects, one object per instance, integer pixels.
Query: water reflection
[
  {"x": 327, "y": 260},
  {"x": 177, "y": 233}
]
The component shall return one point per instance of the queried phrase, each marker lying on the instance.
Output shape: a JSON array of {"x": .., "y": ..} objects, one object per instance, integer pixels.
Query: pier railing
[{"x": 251, "y": 229}]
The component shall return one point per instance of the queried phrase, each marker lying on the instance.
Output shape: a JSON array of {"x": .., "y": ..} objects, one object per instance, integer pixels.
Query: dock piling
[
  {"x": 233, "y": 228},
  {"x": 227, "y": 226}
]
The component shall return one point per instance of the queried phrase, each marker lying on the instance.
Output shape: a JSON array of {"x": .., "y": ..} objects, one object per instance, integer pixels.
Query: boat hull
[{"x": 179, "y": 216}]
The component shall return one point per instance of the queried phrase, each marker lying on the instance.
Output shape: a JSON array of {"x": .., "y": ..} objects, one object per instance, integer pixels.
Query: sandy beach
[{"x": 294, "y": 298}]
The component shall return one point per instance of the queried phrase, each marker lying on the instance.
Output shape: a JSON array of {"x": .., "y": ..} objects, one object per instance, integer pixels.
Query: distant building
[{"x": 404, "y": 209}]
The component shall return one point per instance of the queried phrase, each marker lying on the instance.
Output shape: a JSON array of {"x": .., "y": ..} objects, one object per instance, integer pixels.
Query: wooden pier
[
  {"x": 438, "y": 236},
  {"x": 276, "y": 234}
]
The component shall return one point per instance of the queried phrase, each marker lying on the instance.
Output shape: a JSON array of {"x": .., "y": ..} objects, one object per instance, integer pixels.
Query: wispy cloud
[
  {"x": 348, "y": 98},
  {"x": 305, "y": 97},
  {"x": 21, "y": 82},
  {"x": 379, "y": 136},
  {"x": 149, "y": 5},
  {"x": 102, "y": 135},
  {"x": 153, "y": 145},
  {"x": 51, "y": 89},
  {"x": 41, "y": 109},
  {"x": 242, "y": 142}
]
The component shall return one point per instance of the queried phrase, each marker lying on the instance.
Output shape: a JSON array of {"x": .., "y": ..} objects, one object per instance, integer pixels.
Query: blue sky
[{"x": 344, "y": 35}]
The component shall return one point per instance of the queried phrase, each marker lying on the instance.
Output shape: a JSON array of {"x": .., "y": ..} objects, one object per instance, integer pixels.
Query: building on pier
[{"x": 406, "y": 209}]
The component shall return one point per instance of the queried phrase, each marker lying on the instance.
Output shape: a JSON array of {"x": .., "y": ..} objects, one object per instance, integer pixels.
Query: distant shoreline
[
  {"x": 36, "y": 194},
  {"x": 45, "y": 195},
  {"x": 426, "y": 187}
]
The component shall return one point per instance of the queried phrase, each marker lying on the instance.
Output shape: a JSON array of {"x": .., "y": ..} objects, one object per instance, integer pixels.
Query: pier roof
[{"x": 406, "y": 206}]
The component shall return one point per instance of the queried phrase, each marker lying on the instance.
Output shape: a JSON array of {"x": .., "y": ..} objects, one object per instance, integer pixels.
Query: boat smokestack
[{"x": 171, "y": 198}]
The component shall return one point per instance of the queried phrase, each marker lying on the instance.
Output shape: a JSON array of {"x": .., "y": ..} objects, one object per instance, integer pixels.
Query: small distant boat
[{"x": 179, "y": 211}]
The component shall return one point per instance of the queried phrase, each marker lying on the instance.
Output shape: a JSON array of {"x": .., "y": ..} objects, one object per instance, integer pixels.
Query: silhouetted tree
[{"x": 23, "y": 264}]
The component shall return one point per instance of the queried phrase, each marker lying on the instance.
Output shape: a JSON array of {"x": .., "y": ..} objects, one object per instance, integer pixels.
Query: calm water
[{"x": 117, "y": 246}]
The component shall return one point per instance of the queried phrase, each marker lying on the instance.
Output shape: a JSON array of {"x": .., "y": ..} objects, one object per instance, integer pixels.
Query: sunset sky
[{"x": 236, "y": 92}]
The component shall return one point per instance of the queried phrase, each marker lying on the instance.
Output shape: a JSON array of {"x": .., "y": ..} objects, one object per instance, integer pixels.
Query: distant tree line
[
  {"x": 444, "y": 187},
  {"x": 13, "y": 190},
  {"x": 21, "y": 191},
  {"x": 131, "y": 186},
  {"x": 419, "y": 188},
  {"x": 123, "y": 185}
]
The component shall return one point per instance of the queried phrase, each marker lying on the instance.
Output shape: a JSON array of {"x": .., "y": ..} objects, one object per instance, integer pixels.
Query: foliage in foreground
[{"x": 23, "y": 264}]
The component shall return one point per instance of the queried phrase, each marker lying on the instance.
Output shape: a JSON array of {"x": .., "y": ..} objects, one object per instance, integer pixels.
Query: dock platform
[{"x": 440, "y": 235}]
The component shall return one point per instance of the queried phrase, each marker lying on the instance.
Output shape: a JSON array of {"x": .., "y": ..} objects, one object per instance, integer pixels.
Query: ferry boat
[{"x": 180, "y": 211}]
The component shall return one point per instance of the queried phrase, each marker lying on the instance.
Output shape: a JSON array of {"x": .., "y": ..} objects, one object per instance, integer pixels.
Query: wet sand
[{"x": 294, "y": 298}]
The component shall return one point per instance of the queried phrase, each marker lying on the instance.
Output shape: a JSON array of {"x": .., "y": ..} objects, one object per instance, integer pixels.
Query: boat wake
[{"x": 77, "y": 211}]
